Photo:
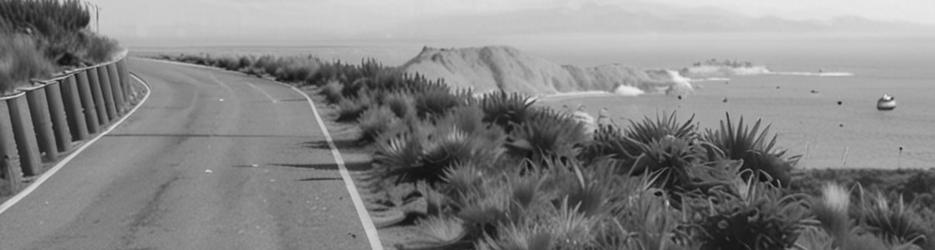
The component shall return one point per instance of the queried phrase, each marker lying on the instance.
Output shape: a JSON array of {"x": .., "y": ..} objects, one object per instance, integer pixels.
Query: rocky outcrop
[{"x": 486, "y": 69}]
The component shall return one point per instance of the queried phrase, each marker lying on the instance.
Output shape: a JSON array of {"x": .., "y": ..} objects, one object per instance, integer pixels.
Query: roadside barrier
[{"x": 44, "y": 122}]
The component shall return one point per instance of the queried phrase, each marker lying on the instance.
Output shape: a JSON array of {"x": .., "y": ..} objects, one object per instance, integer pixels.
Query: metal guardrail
[{"x": 41, "y": 123}]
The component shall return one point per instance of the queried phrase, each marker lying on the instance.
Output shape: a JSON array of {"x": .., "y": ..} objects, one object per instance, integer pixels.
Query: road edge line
[
  {"x": 365, "y": 219},
  {"x": 58, "y": 166},
  {"x": 369, "y": 228}
]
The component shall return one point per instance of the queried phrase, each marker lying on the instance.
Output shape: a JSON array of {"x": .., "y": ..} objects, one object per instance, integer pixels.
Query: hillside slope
[{"x": 492, "y": 68}]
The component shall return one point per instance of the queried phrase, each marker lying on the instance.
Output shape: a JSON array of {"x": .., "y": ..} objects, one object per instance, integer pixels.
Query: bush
[
  {"x": 403, "y": 105},
  {"x": 651, "y": 130},
  {"x": 58, "y": 28},
  {"x": 752, "y": 145},
  {"x": 20, "y": 61},
  {"x": 332, "y": 92},
  {"x": 375, "y": 121},
  {"x": 891, "y": 221},
  {"x": 99, "y": 50},
  {"x": 434, "y": 103},
  {"x": 350, "y": 109},
  {"x": 505, "y": 110},
  {"x": 750, "y": 215},
  {"x": 546, "y": 135}
]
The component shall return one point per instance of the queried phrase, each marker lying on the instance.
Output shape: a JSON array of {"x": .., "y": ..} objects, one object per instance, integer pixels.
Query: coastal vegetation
[
  {"x": 40, "y": 37},
  {"x": 496, "y": 171}
]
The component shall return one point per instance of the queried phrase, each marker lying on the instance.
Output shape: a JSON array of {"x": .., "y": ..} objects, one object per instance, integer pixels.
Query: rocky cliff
[{"x": 488, "y": 69}]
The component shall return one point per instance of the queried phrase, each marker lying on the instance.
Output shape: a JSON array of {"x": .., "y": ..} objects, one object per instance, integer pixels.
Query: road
[{"x": 213, "y": 160}]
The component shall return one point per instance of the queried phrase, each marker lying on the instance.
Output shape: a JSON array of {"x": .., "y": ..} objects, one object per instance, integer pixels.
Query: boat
[{"x": 886, "y": 102}]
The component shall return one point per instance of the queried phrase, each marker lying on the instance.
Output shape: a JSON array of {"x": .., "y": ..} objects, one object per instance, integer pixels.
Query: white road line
[
  {"x": 362, "y": 213},
  {"x": 48, "y": 174},
  {"x": 365, "y": 220},
  {"x": 271, "y": 98},
  {"x": 230, "y": 91},
  {"x": 263, "y": 92}
]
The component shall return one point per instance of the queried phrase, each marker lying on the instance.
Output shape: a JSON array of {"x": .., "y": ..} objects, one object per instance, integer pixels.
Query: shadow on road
[
  {"x": 351, "y": 166},
  {"x": 205, "y": 136},
  {"x": 321, "y": 179},
  {"x": 341, "y": 144}
]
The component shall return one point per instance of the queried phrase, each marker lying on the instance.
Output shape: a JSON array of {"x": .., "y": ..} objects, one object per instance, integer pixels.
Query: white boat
[{"x": 886, "y": 102}]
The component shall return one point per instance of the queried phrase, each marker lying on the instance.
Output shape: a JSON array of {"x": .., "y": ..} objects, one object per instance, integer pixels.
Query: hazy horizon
[{"x": 292, "y": 22}]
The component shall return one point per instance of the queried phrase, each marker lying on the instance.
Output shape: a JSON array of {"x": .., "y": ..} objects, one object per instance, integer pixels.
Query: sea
[{"x": 830, "y": 120}]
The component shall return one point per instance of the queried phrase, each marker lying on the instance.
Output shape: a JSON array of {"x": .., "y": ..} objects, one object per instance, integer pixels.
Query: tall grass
[
  {"x": 38, "y": 37},
  {"x": 20, "y": 61}
]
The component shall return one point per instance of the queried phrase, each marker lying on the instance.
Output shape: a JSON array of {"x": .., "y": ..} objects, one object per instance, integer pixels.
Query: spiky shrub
[
  {"x": 350, "y": 109},
  {"x": 445, "y": 230},
  {"x": 449, "y": 146},
  {"x": 649, "y": 130},
  {"x": 505, "y": 110},
  {"x": 20, "y": 61},
  {"x": 295, "y": 69},
  {"x": 607, "y": 141},
  {"x": 434, "y": 103},
  {"x": 891, "y": 221},
  {"x": 754, "y": 147},
  {"x": 671, "y": 159},
  {"x": 244, "y": 62},
  {"x": 467, "y": 118},
  {"x": 831, "y": 209},
  {"x": 440, "y": 147},
  {"x": 99, "y": 49},
  {"x": 398, "y": 149},
  {"x": 756, "y": 216},
  {"x": 332, "y": 92},
  {"x": 375, "y": 121},
  {"x": 402, "y": 104},
  {"x": 546, "y": 135},
  {"x": 227, "y": 62}
]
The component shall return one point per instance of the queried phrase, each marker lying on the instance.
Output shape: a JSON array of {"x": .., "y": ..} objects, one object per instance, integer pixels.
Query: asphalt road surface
[{"x": 213, "y": 160}]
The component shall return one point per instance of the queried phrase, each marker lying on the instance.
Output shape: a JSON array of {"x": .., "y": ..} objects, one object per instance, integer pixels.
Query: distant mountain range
[{"x": 636, "y": 18}]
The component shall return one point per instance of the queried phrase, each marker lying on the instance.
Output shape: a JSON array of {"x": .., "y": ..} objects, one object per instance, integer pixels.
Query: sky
[{"x": 139, "y": 21}]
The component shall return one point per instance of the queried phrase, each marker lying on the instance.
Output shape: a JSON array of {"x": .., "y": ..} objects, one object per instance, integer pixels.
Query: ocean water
[{"x": 827, "y": 135}]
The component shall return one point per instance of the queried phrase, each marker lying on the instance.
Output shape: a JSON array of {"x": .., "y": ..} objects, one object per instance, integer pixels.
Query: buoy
[
  {"x": 886, "y": 103},
  {"x": 840, "y": 103},
  {"x": 725, "y": 100}
]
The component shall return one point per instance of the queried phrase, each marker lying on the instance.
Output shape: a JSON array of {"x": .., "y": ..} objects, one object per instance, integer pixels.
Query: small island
[{"x": 723, "y": 68}]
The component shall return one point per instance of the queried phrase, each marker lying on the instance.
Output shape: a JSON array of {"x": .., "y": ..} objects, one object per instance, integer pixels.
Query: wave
[
  {"x": 625, "y": 90},
  {"x": 579, "y": 93},
  {"x": 710, "y": 79},
  {"x": 821, "y": 74}
]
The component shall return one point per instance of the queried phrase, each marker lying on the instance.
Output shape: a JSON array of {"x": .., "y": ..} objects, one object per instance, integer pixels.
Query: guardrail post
[
  {"x": 118, "y": 89},
  {"x": 108, "y": 93},
  {"x": 125, "y": 80},
  {"x": 25, "y": 135},
  {"x": 53, "y": 93},
  {"x": 73, "y": 109},
  {"x": 42, "y": 123},
  {"x": 9, "y": 158},
  {"x": 98, "y": 97}
]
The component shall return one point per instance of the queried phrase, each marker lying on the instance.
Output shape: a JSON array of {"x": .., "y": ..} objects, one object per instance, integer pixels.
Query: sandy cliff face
[{"x": 488, "y": 69}]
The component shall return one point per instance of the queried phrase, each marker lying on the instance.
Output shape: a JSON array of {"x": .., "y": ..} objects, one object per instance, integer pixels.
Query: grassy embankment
[
  {"x": 41, "y": 37},
  {"x": 498, "y": 172}
]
